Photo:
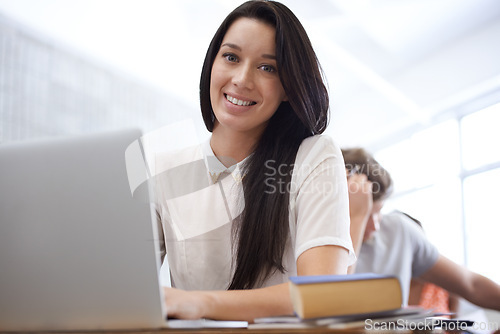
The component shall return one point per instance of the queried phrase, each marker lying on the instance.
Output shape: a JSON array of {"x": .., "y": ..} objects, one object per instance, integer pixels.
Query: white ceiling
[{"x": 389, "y": 64}]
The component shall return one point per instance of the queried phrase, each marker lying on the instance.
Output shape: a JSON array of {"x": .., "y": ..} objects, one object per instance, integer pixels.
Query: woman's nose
[{"x": 243, "y": 77}]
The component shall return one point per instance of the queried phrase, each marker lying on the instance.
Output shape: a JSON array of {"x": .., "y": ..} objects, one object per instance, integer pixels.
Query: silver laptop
[{"x": 77, "y": 252}]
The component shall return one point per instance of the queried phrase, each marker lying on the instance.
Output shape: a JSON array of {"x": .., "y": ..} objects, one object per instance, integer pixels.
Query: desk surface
[{"x": 248, "y": 331}]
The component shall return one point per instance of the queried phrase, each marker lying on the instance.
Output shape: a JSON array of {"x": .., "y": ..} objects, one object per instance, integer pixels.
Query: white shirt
[{"x": 197, "y": 199}]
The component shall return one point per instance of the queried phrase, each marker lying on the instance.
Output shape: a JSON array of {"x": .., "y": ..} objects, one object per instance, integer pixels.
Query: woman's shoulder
[
  {"x": 318, "y": 154},
  {"x": 318, "y": 140},
  {"x": 317, "y": 148}
]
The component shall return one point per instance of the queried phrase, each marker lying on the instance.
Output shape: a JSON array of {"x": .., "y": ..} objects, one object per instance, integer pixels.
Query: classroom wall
[{"x": 48, "y": 89}]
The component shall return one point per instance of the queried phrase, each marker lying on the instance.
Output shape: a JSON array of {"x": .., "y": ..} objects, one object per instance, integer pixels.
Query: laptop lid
[{"x": 76, "y": 250}]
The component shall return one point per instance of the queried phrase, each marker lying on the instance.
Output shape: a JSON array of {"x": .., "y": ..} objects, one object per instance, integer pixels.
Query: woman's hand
[
  {"x": 186, "y": 304},
  {"x": 228, "y": 305}
]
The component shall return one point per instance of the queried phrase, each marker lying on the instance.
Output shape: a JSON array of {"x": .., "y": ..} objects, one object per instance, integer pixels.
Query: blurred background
[{"x": 416, "y": 82}]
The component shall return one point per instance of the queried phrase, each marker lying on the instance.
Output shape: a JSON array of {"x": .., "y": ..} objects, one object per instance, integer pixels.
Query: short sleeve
[{"x": 319, "y": 198}]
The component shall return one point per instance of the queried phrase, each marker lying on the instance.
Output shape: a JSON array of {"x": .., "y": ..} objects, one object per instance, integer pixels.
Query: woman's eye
[
  {"x": 230, "y": 57},
  {"x": 268, "y": 68}
]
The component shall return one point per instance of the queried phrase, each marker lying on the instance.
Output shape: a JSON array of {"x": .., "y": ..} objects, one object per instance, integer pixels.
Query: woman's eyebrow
[
  {"x": 268, "y": 56},
  {"x": 236, "y": 47},
  {"x": 232, "y": 46}
]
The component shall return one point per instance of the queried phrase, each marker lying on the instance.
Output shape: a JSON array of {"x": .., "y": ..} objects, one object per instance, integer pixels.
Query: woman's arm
[
  {"x": 250, "y": 304},
  {"x": 476, "y": 288}
]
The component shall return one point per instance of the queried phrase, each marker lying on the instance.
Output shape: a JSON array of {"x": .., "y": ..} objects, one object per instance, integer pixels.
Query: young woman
[
  {"x": 270, "y": 199},
  {"x": 393, "y": 244}
]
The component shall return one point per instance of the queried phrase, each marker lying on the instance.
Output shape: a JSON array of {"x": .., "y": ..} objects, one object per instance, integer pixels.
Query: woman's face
[{"x": 245, "y": 88}]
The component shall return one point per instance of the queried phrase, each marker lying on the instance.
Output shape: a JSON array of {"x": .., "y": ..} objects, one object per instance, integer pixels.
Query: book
[
  {"x": 341, "y": 295},
  {"x": 404, "y": 315}
]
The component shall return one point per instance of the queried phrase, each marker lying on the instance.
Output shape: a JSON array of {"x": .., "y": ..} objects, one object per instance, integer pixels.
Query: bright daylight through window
[{"x": 447, "y": 176}]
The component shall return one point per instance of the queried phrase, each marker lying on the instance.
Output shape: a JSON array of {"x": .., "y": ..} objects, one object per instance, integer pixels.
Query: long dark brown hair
[{"x": 262, "y": 231}]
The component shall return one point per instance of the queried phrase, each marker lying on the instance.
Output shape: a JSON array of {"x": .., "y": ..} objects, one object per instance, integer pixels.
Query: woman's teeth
[{"x": 234, "y": 100}]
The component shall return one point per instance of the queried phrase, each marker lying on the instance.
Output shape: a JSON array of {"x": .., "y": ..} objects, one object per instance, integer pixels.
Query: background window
[
  {"x": 424, "y": 159},
  {"x": 447, "y": 176},
  {"x": 425, "y": 170},
  {"x": 481, "y": 137},
  {"x": 482, "y": 222}
]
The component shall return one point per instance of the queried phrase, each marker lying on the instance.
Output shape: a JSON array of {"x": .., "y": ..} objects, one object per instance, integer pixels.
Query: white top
[
  {"x": 399, "y": 248},
  {"x": 197, "y": 199}
]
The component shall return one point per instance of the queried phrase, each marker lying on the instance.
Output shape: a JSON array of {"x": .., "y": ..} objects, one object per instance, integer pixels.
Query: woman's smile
[{"x": 239, "y": 102}]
